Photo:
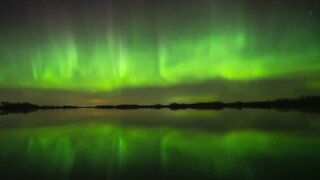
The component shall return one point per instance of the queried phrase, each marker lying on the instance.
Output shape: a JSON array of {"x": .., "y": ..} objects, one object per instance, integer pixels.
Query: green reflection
[{"x": 113, "y": 151}]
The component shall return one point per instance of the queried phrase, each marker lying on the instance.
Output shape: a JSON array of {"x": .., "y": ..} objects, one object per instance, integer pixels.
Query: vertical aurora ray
[{"x": 56, "y": 62}]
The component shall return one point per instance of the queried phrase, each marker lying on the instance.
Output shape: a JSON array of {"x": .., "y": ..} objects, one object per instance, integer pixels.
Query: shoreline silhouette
[{"x": 307, "y": 104}]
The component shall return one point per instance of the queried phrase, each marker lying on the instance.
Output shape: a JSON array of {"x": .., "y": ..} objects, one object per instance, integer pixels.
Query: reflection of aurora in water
[{"x": 113, "y": 151}]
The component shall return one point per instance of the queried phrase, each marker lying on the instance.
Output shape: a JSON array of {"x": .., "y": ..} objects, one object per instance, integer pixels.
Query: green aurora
[{"x": 112, "y": 47}]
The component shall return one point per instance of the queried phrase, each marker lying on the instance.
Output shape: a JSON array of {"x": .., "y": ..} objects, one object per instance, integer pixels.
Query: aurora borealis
[{"x": 149, "y": 51}]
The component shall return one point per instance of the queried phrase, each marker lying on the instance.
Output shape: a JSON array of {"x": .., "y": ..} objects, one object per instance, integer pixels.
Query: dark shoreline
[{"x": 308, "y": 104}]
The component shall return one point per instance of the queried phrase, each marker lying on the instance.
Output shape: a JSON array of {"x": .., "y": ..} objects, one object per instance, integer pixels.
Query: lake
[{"x": 159, "y": 144}]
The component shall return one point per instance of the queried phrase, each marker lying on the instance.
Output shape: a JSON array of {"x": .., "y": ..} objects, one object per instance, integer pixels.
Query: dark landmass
[
  {"x": 25, "y": 108},
  {"x": 307, "y": 104},
  {"x": 25, "y": 105},
  {"x": 284, "y": 103}
]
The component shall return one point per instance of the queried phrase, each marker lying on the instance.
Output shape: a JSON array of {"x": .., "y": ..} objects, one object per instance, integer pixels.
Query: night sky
[{"x": 158, "y": 51}]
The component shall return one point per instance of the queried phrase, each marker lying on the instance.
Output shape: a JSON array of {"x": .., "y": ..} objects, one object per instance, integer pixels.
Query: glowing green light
[
  {"x": 143, "y": 53},
  {"x": 116, "y": 148}
]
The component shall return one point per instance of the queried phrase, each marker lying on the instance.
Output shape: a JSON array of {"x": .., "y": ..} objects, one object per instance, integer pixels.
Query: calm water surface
[{"x": 160, "y": 144}]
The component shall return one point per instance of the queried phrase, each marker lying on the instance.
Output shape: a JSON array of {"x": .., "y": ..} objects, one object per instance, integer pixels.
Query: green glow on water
[{"x": 112, "y": 149}]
